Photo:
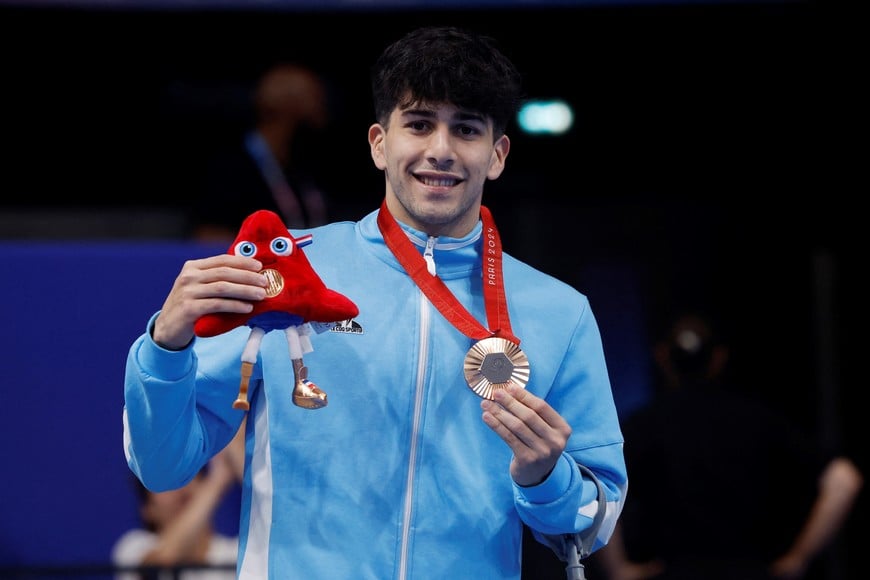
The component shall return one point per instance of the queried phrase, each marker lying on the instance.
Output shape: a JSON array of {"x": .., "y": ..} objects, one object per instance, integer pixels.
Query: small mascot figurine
[{"x": 295, "y": 296}]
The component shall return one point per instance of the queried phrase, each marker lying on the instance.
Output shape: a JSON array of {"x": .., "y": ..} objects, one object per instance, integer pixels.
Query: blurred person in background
[
  {"x": 269, "y": 168},
  {"x": 178, "y": 526},
  {"x": 723, "y": 487}
]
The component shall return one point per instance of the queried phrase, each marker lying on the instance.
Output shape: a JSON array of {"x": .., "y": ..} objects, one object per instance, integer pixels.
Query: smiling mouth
[{"x": 438, "y": 181}]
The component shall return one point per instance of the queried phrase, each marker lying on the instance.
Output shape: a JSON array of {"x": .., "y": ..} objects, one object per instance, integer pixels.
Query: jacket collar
[{"x": 454, "y": 257}]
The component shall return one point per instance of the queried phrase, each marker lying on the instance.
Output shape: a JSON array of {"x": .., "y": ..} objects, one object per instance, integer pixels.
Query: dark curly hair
[{"x": 444, "y": 64}]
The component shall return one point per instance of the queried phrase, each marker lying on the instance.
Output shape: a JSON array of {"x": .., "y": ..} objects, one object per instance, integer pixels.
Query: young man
[{"x": 471, "y": 396}]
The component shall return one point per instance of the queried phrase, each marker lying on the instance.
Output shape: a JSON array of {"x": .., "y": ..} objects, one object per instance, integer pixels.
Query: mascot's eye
[
  {"x": 282, "y": 246},
  {"x": 246, "y": 249}
]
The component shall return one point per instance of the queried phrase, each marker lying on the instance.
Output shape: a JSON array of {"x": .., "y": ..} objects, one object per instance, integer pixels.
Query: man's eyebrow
[
  {"x": 471, "y": 116},
  {"x": 460, "y": 115},
  {"x": 418, "y": 112}
]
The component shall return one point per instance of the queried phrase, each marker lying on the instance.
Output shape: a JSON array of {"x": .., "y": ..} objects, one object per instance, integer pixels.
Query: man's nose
[{"x": 439, "y": 148}]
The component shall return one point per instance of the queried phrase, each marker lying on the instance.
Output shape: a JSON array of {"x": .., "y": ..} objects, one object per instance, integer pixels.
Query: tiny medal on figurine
[
  {"x": 276, "y": 282},
  {"x": 492, "y": 363}
]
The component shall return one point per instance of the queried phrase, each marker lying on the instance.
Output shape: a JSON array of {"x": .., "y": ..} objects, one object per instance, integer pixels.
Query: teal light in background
[{"x": 551, "y": 117}]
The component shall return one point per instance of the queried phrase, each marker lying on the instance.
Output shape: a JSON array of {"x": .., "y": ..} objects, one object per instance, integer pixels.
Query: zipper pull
[{"x": 429, "y": 254}]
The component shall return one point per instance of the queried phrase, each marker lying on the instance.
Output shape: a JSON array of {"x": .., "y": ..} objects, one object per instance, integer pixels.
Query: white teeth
[{"x": 444, "y": 182}]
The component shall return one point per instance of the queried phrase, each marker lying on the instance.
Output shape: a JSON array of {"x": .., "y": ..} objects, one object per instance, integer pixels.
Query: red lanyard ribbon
[{"x": 436, "y": 291}]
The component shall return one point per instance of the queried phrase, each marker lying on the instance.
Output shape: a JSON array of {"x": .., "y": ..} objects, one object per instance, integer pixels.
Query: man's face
[{"x": 436, "y": 159}]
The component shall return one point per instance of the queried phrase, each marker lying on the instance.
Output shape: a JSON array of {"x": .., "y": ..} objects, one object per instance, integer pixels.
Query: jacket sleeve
[
  {"x": 176, "y": 416},
  {"x": 567, "y": 502}
]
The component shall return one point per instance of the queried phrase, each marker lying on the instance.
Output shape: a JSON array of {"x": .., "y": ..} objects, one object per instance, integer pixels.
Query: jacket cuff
[
  {"x": 165, "y": 364},
  {"x": 552, "y": 488}
]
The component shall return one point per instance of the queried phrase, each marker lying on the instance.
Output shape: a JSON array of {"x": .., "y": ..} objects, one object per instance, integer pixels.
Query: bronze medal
[{"x": 493, "y": 363}]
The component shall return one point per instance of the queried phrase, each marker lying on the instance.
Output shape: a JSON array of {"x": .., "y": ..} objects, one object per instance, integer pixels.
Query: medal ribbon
[{"x": 439, "y": 294}]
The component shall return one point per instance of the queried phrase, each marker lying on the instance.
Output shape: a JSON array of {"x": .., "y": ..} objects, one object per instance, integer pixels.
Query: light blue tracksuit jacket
[{"x": 398, "y": 477}]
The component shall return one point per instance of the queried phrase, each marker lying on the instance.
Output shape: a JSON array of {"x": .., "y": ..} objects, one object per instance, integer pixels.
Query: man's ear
[
  {"x": 376, "y": 143},
  {"x": 499, "y": 154}
]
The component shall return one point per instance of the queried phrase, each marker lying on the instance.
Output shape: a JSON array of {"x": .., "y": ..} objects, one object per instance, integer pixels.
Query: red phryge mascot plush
[{"x": 295, "y": 296}]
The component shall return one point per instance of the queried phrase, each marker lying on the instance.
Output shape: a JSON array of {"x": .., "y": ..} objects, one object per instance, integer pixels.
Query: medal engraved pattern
[
  {"x": 276, "y": 282},
  {"x": 493, "y": 363}
]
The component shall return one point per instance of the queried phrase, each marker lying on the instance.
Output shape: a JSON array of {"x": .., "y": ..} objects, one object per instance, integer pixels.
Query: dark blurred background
[{"x": 710, "y": 163}]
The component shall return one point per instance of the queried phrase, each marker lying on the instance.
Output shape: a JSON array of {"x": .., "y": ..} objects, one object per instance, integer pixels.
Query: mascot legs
[
  {"x": 305, "y": 393},
  {"x": 242, "y": 401},
  {"x": 249, "y": 357}
]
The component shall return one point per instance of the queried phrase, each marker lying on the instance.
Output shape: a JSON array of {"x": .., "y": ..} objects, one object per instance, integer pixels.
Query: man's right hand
[{"x": 224, "y": 283}]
